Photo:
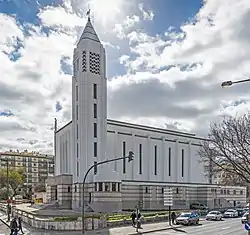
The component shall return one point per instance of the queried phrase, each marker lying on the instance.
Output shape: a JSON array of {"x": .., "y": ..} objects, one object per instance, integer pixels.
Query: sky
[{"x": 166, "y": 60}]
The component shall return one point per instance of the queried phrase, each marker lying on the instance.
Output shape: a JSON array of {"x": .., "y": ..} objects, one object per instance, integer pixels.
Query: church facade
[{"x": 163, "y": 158}]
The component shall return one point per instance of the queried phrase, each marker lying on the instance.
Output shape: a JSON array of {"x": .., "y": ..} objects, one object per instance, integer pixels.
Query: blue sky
[{"x": 166, "y": 60}]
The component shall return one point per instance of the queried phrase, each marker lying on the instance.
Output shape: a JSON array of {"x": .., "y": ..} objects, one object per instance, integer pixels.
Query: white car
[
  {"x": 214, "y": 215},
  {"x": 244, "y": 218},
  {"x": 231, "y": 213}
]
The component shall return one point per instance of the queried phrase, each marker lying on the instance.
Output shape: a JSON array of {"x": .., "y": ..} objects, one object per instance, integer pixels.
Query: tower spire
[{"x": 88, "y": 14}]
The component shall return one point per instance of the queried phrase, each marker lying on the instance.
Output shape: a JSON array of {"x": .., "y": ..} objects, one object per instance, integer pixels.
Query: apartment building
[{"x": 37, "y": 166}]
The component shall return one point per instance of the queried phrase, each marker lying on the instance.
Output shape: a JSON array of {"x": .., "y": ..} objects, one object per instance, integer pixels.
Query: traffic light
[{"x": 130, "y": 156}]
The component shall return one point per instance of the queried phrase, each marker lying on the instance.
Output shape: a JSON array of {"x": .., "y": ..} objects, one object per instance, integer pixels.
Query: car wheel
[
  {"x": 197, "y": 221},
  {"x": 220, "y": 218}
]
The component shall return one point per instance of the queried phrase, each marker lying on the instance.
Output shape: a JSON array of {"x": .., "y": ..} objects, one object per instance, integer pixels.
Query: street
[{"x": 225, "y": 227}]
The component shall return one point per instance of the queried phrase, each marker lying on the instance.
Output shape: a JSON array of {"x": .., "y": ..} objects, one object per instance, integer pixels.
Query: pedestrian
[
  {"x": 20, "y": 225},
  {"x": 138, "y": 219},
  {"x": 8, "y": 211},
  {"x": 173, "y": 217},
  {"x": 133, "y": 216},
  {"x": 13, "y": 227}
]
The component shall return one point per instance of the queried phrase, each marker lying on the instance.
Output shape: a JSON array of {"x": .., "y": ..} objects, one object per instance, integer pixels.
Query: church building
[{"x": 162, "y": 158}]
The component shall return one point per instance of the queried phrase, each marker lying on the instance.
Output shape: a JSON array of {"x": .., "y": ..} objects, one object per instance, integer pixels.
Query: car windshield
[
  {"x": 185, "y": 215},
  {"x": 230, "y": 210},
  {"x": 212, "y": 212}
]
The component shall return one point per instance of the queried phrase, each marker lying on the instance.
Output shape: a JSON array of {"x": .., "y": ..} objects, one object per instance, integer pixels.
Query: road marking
[{"x": 226, "y": 228}]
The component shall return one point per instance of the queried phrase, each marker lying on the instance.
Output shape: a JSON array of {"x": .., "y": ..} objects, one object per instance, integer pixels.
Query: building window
[
  {"x": 140, "y": 159},
  {"x": 162, "y": 190},
  {"x": 119, "y": 187},
  {"x": 100, "y": 187},
  {"x": 241, "y": 192},
  {"x": 95, "y": 149},
  {"x": 76, "y": 93},
  {"x": 182, "y": 163},
  {"x": 221, "y": 191},
  {"x": 228, "y": 192},
  {"x": 95, "y": 110},
  {"x": 113, "y": 187},
  {"x": 169, "y": 161},
  {"x": 77, "y": 131},
  {"x": 94, "y": 63},
  {"x": 90, "y": 197},
  {"x": 68, "y": 189},
  {"x": 234, "y": 191},
  {"x": 77, "y": 150},
  {"x": 84, "y": 62},
  {"x": 106, "y": 187},
  {"x": 95, "y": 130},
  {"x": 77, "y": 168},
  {"x": 146, "y": 190},
  {"x": 75, "y": 188},
  {"x": 95, "y": 91},
  {"x": 124, "y": 154},
  {"x": 155, "y": 159},
  {"x": 96, "y": 187},
  {"x": 177, "y": 190},
  {"x": 95, "y": 168},
  {"x": 76, "y": 112}
]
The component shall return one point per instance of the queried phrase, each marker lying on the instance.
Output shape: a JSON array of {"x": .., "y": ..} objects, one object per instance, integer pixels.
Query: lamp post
[
  {"x": 227, "y": 84},
  {"x": 130, "y": 158}
]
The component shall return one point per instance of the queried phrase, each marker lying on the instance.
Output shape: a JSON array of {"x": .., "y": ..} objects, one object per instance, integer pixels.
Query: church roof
[{"x": 89, "y": 32}]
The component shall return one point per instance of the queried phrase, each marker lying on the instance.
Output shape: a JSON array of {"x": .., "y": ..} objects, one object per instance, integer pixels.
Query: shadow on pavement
[{"x": 179, "y": 230}]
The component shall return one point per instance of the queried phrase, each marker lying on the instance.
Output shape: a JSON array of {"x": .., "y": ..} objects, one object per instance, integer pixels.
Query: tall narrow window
[
  {"x": 95, "y": 110},
  {"x": 140, "y": 159},
  {"x": 155, "y": 159},
  {"x": 95, "y": 149},
  {"x": 77, "y": 131},
  {"x": 77, "y": 150},
  {"x": 77, "y": 168},
  {"x": 169, "y": 161},
  {"x": 95, "y": 130},
  {"x": 95, "y": 168},
  {"x": 124, "y": 154},
  {"x": 95, "y": 91},
  {"x": 76, "y": 93},
  {"x": 182, "y": 163},
  {"x": 76, "y": 112}
]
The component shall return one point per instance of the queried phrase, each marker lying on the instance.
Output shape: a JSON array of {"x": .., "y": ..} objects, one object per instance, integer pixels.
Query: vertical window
[
  {"x": 77, "y": 168},
  {"x": 169, "y": 161},
  {"x": 77, "y": 150},
  {"x": 146, "y": 190},
  {"x": 77, "y": 131},
  {"x": 140, "y": 159},
  {"x": 100, "y": 187},
  {"x": 113, "y": 187},
  {"x": 95, "y": 149},
  {"x": 119, "y": 187},
  {"x": 95, "y": 91},
  {"x": 76, "y": 93},
  {"x": 76, "y": 112},
  {"x": 68, "y": 189},
  {"x": 96, "y": 187},
  {"x": 95, "y": 110},
  {"x": 177, "y": 190},
  {"x": 95, "y": 130},
  {"x": 155, "y": 159},
  {"x": 95, "y": 168},
  {"x": 124, "y": 154},
  {"x": 182, "y": 163}
]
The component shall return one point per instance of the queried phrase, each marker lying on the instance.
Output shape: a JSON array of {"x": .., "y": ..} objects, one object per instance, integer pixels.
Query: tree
[
  {"x": 40, "y": 188},
  {"x": 226, "y": 153},
  {"x": 4, "y": 192},
  {"x": 16, "y": 178}
]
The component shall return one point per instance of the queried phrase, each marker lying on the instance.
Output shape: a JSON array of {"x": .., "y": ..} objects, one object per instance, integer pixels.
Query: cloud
[{"x": 173, "y": 78}]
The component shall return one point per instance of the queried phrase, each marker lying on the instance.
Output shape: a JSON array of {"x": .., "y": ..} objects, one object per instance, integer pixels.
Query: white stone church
[{"x": 163, "y": 158}]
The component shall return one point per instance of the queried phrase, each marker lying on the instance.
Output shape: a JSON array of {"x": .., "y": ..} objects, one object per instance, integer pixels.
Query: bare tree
[{"x": 226, "y": 153}]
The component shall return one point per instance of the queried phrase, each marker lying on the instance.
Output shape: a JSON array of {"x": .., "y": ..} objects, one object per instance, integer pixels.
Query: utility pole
[
  {"x": 8, "y": 191},
  {"x": 130, "y": 158}
]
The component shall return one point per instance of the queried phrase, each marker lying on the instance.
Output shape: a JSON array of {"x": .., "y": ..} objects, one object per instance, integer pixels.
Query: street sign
[
  {"x": 168, "y": 196},
  {"x": 247, "y": 226}
]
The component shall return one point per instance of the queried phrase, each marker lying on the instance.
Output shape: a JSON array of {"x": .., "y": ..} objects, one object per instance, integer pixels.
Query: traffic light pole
[{"x": 130, "y": 158}]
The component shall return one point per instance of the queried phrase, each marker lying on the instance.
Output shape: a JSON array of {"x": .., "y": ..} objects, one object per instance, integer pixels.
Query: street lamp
[
  {"x": 226, "y": 84},
  {"x": 230, "y": 83},
  {"x": 130, "y": 158}
]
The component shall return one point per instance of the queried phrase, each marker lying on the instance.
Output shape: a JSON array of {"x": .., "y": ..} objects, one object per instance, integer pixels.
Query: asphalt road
[{"x": 225, "y": 227}]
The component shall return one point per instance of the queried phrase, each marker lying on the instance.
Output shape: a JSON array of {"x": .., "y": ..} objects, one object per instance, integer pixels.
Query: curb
[{"x": 155, "y": 230}]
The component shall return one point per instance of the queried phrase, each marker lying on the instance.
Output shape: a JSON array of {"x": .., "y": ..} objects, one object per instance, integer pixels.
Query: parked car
[
  {"x": 231, "y": 213},
  {"x": 244, "y": 218},
  {"x": 214, "y": 215},
  {"x": 198, "y": 206},
  {"x": 188, "y": 218},
  {"x": 241, "y": 211}
]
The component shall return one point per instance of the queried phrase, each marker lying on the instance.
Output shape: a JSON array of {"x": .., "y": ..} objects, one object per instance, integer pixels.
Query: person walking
[
  {"x": 133, "y": 216},
  {"x": 13, "y": 227},
  {"x": 20, "y": 226},
  {"x": 173, "y": 217}
]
